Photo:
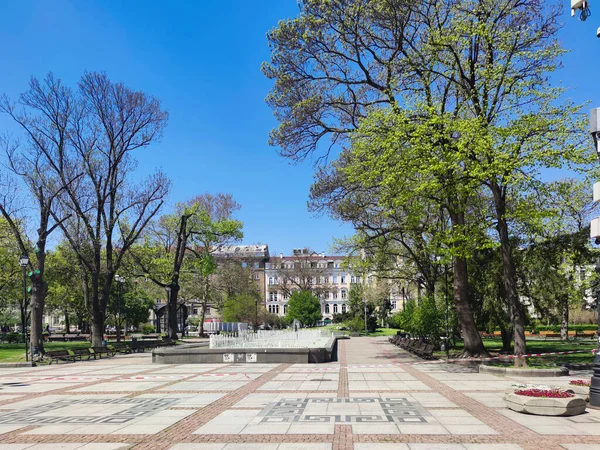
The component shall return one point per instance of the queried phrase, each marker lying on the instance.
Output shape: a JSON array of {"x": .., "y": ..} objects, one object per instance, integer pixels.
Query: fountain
[{"x": 281, "y": 346}]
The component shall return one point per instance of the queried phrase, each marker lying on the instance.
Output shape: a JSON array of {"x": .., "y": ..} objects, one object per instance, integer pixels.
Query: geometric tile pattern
[
  {"x": 396, "y": 409},
  {"x": 57, "y": 412}
]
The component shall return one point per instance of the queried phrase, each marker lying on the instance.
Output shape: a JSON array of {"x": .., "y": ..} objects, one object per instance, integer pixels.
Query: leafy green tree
[
  {"x": 305, "y": 307},
  {"x": 178, "y": 252},
  {"x": 244, "y": 308}
]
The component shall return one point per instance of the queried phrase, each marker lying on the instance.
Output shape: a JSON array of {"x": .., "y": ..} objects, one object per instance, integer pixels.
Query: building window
[
  {"x": 394, "y": 305},
  {"x": 208, "y": 310},
  {"x": 335, "y": 308},
  {"x": 326, "y": 308},
  {"x": 285, "y": 309},
  {"x": 272, "y": 296},
  {"x": 352, "y": 279},
  {"x": 276, "y": 309},
  {"x": 256, "y": 276},
  {"x": 335, "y": 295},
  {"x": 195, "y": 311},
  {"x": 344, "y": 308},
  {"x": 343, "y": 293},
  {"x": 256, "y": 265},
  {"x": 244, "y": 264},
  {"x": 334, "y": 279},
  {"x": 343, "y": 279}
]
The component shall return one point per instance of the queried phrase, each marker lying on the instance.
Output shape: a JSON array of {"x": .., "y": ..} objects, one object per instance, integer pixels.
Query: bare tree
[
  {"x": 100, "y": 212},
  {"x": 43, "y": 113},
  {"x": 301, "y": 272}
]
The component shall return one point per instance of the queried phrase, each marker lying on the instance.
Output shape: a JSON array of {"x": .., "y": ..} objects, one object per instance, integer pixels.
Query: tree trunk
[
  {"x": 509, "y": 277},
  {"x": 202, "y": 317},
  {"x": 67, "y": 322},
  {"x": 564, "y": 325},
  {"x": 473, "y": 342},
  {"x": 173, "y": 293},
  {"x": 506, "y": 338},
  {"x": 472, "y": 339},
  {"x": 38, "y": 293},
  {"x": 97, "y": 330},
  {"x": 97, "y": 313}
]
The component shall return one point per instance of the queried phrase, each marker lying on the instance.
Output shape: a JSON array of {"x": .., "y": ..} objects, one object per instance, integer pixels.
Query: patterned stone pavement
[{"x": 373, "y": 398}]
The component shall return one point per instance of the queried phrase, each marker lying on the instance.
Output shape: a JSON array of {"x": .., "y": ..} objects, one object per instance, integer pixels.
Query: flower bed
[
  {"x": 545, "y": 393},
  {"x": 544, "y": 401},
  {"x": 584, "y": 383}
]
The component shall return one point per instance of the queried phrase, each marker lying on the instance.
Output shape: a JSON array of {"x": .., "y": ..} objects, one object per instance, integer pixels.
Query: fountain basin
[{"x": 197, "y": 354}]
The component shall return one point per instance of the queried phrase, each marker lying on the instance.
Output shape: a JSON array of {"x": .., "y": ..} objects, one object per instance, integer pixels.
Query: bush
[
  {"x": 12, "y": 338},
  {"x": 146, "y": 328},
  {"x": 356, "y": 325}
]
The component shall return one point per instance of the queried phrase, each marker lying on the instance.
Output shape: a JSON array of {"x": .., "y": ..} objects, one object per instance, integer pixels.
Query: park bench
[
  {"x": 80, "y": 353},
  {"x": 60, "y": 355},
  {"x": 151, "y": 336},
  {"x": 120, "y": 347},
  {"x": 56, "y": 337},
  {"x": 99, "y": 351},
  {"x": 586, "y": 334},
  {"x": 425, "y": 351},
  {"x": 549, "y": 334}
]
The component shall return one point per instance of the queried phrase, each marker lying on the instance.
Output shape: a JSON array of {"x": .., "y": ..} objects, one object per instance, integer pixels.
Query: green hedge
[{"x": 556, "y": 328}]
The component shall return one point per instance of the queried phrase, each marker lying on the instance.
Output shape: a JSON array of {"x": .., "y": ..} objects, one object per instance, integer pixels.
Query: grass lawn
[
  {"x": 538, "y": 346},
  {"x": 16, "y": 352}
]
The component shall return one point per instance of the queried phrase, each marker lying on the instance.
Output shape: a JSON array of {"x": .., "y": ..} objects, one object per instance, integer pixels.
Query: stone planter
[
  {"x": 523, "y": 372},
  {"x": 580, "y": 391},
  {"x": 541, "y": 406}
]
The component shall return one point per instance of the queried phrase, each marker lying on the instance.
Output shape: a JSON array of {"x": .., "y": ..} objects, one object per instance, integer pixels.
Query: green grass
[
  {"x": 16, "y": 352},
  {"x": 535, "y": 346}
]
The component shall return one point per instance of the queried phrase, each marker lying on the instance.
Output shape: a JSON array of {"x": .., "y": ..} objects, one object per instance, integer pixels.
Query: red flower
[
  {"x": 546, "y": 393},
  {"x": 581, "y": 382}
]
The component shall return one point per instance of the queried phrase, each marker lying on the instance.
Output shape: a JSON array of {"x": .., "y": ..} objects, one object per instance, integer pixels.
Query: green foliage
[
  {"x": 243, "y": 308},
  {"x": 305, "y": 307},
  {"x": 356, "y": 325},
  {"x": 146, "y": 328},
  {"x": 424, "y": 319}
]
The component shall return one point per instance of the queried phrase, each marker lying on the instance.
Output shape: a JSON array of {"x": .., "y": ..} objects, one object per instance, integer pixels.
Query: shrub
[
  {"x": 356, "y": 325},
  {"x": 146, "y": 328}
]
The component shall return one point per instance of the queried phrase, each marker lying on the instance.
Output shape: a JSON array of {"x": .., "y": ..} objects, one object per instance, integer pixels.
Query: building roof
[{"x": 243, "y": 251}]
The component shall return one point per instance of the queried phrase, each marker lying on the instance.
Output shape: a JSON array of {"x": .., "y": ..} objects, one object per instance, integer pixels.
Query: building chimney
[{"x": 322, "y": 254}]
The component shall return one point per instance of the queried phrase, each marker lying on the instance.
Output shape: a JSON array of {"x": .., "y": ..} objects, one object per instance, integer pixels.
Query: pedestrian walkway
[{"x": 372, "y": 398}]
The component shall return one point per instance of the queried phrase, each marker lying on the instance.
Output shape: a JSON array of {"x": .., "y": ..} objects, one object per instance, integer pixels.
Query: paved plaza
[{"x": 374, "y": 398}]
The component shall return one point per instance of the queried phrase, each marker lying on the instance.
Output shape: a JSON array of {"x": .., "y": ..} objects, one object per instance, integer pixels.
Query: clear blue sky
[{"x": 202, "y": 59}]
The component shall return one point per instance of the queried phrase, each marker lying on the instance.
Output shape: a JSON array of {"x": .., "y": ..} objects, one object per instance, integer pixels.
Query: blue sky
[{"x": 202, "y": 59}]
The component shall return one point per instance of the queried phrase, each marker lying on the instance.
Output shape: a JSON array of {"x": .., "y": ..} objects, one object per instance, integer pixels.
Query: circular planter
[
  {"x": 524, "y": 372},
  {"x": 543, "y": 406},
  {"x": 581, "y": 391}
]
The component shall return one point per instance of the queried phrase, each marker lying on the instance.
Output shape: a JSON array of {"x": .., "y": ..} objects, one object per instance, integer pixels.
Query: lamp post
[
  {"x": 119, "y": 279},
  {"x": 24, "y": 262},
  {"x": 447, "y": 314},
  {"x": 365, "y": 302},
  {"x": 595, "y": 233}
]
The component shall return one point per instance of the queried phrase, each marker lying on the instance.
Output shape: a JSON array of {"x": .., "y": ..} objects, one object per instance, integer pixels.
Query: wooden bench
[
  {"x": 549, "y": 334},
  {"x": 586, "y": 334},
  {"x": 99, "y": 351},
  {"x": 56, "y": 338},
  {"x": 60, "y": 355},
  {"x": 120, "y": 347}
]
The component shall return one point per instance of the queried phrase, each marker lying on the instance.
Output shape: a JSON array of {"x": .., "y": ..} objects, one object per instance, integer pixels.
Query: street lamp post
[
  {"x": 24, "y": 262},
  {"x": 447, "y": 314},
  {"x": 119, "y": 279},
  {"x": 595, "y": 233},
  {"x": 366, "y": 329}
]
